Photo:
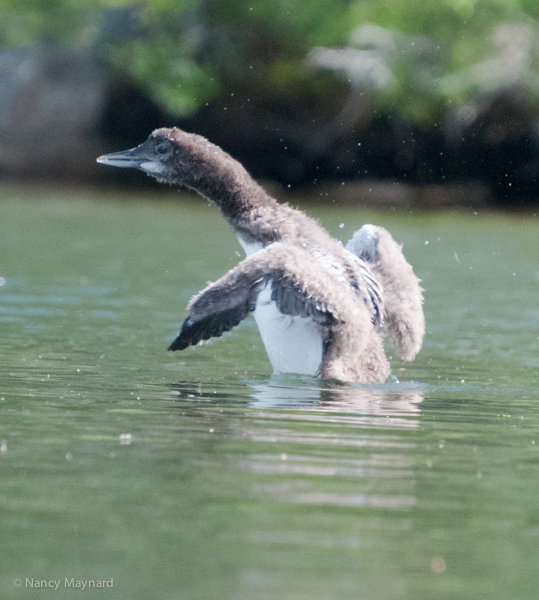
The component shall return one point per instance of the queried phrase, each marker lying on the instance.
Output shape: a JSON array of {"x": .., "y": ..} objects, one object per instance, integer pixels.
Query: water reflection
[
  {"x": 292, "y": 393},
  {"x": 332, "y": 445},
  {"x": 317, "y": 442},
  {"x": 398, "y": 399},
  {"x": 393, "y": 398}
]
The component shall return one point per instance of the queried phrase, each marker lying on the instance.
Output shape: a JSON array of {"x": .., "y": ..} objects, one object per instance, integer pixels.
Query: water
[{"x": 197, "y": 475}]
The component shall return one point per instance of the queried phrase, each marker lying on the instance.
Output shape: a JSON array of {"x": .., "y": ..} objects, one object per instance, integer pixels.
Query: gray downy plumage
[{"x": 346, "y": 293}]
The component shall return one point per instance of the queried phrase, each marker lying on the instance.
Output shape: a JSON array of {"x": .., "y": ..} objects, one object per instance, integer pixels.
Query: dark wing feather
[
  {"x": 223, "y": 304},
  {"x": 290, "y": 300},
  {"x": 214, "y": 325},
  {"x": 365, "y": 282}
]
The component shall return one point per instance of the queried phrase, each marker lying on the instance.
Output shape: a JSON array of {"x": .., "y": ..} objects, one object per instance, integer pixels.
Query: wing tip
[{"x": 178, "y": 344}]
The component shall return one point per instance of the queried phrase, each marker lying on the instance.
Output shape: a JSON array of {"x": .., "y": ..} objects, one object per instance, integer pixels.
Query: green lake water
[{"x": 198, "y": 475}]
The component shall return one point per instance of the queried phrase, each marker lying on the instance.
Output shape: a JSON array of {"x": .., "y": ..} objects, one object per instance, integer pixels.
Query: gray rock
[{"x": 51, "y": 106}]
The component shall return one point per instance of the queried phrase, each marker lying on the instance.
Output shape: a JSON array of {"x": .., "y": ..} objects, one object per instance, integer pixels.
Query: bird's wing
[
  {"x": 365, "y": 283},
  {"x": 298, "y": 289},
  {"x": 355, "y": 272},
  {"x": 403, "y": 296}
]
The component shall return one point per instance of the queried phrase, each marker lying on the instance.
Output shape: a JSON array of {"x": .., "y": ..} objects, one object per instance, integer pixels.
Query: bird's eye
[{"x": 162, "y": 149}]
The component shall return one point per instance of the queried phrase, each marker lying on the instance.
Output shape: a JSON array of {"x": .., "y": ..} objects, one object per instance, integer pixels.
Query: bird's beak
[
  {"x": 135, "y": 158},
  {"x": 132, "y": 158}
]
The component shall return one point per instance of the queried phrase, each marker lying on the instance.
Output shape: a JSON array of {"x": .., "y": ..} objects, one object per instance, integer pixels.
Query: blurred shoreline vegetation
[
  {"x": 404, "y": 91},
  {"x": 412, "y": 58}
]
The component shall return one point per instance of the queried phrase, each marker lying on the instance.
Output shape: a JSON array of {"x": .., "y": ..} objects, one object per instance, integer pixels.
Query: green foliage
[
  {"x": 186, "y": 52},
  {"x": 452, "y": 51},
  {"x": 165, "y": 69}
]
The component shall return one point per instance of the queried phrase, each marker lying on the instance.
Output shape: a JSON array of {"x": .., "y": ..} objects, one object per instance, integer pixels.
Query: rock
[{"x": 51, "y": 105}]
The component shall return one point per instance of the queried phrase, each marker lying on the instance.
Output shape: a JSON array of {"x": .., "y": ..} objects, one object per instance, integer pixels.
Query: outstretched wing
[
  {"x": 213, "y": 325},
  {"x": 225, "y": 303}
]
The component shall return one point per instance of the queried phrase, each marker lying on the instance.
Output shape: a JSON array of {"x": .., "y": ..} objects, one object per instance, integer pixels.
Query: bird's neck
[
  {"x": 253, "y": 215},
  {"x": 247, "y": 207},
  {"x": 236, "y": 199}
]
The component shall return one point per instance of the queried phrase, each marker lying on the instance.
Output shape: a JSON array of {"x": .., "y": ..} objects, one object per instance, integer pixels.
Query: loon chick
[{"x": 320, "y": 307}]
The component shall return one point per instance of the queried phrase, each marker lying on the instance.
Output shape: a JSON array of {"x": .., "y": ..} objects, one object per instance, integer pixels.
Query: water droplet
[
  {"x": 125, "y": 439},
  {"x": 341, "y": 225},
  {"x": 437, "y": 565}
]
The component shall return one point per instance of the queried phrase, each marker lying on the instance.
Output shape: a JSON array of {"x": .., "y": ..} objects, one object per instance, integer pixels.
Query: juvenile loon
[{"x": 321, "y": 308}]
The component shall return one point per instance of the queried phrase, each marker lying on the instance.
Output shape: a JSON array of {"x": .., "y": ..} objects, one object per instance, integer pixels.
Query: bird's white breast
[{"x": 293, "y": 344}]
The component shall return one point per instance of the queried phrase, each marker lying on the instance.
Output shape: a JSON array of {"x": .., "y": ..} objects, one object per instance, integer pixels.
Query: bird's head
[{"x": 170, "y": 155}]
